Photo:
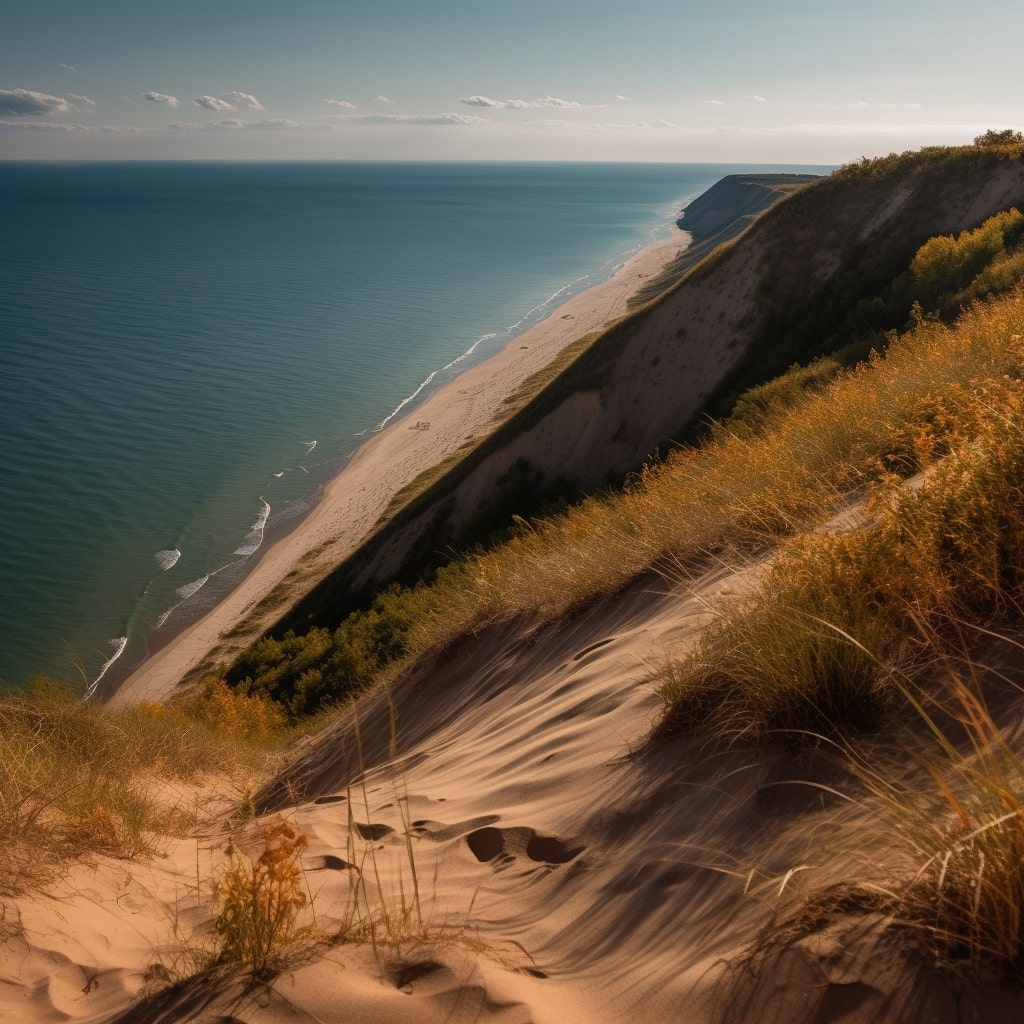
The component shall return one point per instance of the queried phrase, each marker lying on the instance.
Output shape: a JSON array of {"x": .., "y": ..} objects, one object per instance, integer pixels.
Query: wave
[
  {"x": 119, "y": 644},
  {"x": 254, "y": 538},
  {"x": 189, "y": 589},
  {"x": 310, "y": 445},
  {"x": 541, "y": 307},
  {"x": 405, "y": 401},
  {"x": 533, "y": 315},
  {"x": 167, "y": 558}
]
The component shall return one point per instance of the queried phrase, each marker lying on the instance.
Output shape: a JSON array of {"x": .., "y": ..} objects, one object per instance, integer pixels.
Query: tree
[{"x": 999, "y": 138}]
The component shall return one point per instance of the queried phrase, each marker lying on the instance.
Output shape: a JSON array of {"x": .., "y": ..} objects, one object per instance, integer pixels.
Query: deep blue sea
[{"x": 188, "y": 350}]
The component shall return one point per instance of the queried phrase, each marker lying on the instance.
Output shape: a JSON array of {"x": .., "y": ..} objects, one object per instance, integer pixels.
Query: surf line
[
  {"x": 119, "y": 644},
  {"x": 533, "y": 315}
]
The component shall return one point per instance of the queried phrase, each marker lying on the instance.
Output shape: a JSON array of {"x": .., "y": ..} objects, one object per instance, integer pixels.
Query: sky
[{"x": 790, "y": 81}]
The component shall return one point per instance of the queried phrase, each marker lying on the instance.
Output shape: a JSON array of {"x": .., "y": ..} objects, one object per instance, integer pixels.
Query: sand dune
[{"x": 562, "y": 863}]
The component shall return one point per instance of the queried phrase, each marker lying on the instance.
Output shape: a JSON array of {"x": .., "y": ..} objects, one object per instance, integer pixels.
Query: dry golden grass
[
  {"x": 815, "y": 646},
  {"x": 78, "y": 778},
  {"x": 893, "y": 414},
  {"x": 260, "y": 900}
]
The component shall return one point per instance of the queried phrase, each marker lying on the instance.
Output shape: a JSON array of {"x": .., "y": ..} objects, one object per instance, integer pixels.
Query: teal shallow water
[{"x": 188, "y": 350}]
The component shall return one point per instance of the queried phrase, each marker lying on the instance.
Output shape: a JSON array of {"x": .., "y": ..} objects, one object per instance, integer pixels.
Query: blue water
[{"x": 187, "y": 350}]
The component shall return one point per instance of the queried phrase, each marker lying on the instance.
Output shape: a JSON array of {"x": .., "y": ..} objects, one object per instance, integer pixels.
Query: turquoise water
[{"x": 187, "y": 350}]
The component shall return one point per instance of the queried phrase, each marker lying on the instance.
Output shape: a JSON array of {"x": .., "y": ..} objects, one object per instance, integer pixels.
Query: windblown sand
[{"x": 565, "y": 871}]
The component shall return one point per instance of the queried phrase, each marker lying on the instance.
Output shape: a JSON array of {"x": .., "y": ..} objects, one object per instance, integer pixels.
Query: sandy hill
[{"x": 497, "y": 837}]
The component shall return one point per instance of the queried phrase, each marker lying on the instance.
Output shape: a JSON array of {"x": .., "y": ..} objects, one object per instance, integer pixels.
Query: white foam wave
[
  {"x": 167, "y": 558},
  {"x": 310, "y": 445},
  {"x": 534, "y": 314},
  {"x": 254, "y": 538},
  {"x": 189, "y": 589},
  {"x": 426, "y": 383},
  {"x": 405, "y": 401},
  {"x": 279, "y": 475},
  {"x": 119, "y": 644}
]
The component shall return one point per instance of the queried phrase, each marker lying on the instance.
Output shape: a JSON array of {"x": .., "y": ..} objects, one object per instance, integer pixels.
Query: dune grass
[
  {"x": 77, "y": 777},
  {"x": 959, "y": 823},
  {"x": 932, "y": 846},
  {"x": 741, "y": 491},
  {"x": 814, "y": 646},
  {"x": 814, "y": 443}
]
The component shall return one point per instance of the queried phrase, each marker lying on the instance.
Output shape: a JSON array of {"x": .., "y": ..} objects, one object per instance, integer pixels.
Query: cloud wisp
[
  {"x": 386, "y": 100},
  {"x": 213, "y": 103},
  {"x": 246, "y": 99},
  {"x": 58, "y": 126},
  {"x": 28, "y": 103},
  {"x": 414, "y": 119},
  {"x": 161, "y": 97},
  {"x": 66, "y": 67},
  {"x": 237, "y": 124},
  {"x": 341, "y": 103},
  {"x": 544, "y": 101}
]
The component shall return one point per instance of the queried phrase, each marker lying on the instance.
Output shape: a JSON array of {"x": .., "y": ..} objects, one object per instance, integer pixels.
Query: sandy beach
[{"x": 353, "y": 502}]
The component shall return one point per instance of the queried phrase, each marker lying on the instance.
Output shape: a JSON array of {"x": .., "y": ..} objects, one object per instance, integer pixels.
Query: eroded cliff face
[{"x": 646, "y": 377}]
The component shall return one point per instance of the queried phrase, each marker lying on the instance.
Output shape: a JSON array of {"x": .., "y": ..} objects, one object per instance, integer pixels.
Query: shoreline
[{"x": 352, "y": 502}]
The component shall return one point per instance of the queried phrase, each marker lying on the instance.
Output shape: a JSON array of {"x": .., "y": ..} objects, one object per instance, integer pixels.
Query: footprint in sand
[
  {"x": 327, "y": 862},
  {"x": 439, "y": 832},
  {"x": 593, "y": 647},
  {"x": 373, "y": 831},
  {"x": 505, "y": 845}
]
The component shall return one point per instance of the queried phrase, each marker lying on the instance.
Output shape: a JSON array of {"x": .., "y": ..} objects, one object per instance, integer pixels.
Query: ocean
[{"x": 189, "y": 350}]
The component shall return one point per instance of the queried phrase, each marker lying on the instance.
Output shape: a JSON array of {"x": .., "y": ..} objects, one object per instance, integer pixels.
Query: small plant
[{"x": 260, "y": 900}]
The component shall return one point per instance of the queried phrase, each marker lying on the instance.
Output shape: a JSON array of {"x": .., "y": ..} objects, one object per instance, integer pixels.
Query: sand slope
[{"x": 567, "y": 870}]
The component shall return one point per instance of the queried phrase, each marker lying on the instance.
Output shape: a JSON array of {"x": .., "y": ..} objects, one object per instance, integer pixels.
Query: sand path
[{"x": 353, "y": 502}]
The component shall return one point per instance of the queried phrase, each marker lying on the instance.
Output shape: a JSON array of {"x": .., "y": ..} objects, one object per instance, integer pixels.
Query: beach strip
[{"x": 352, "y": 503}]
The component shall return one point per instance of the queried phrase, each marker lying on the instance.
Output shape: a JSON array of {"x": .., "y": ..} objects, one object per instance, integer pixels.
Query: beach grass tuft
[{"x": 77, "y": 777}]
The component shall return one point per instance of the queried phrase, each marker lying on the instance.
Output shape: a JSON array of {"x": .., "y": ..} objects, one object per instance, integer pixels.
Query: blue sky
[{"x": 793, "y": 81}]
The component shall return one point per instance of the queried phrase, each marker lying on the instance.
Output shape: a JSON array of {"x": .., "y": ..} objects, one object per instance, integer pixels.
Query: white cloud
[
  {"x": 418, "y": 119},
  {"x": 25, "y": 102},
  {"x": 546, "y": 101},
  {"x": 283, "y": 124},
  {"x": 341, "y": 103},
  {"x": 237, "y": 124},
  {"x": 81, "y": 102},
  {"x": 66, "y": 67},
  {"x": 162, "y": 97},
  {"x": 756, "y": 98},
  {"x": 212, "y": 103},
  {"x": 486, "y": 101},
  {"x": 884, "y": 106},
  {"x": 625, "y": 99},
  {"x": 246, "y": 99},
  {"x": 384, "y": 99},
  {"x": 57, "y": 126},
  {"x": 554, "y": 101},
  {"x": 662, "y": 123},
  {"x": 716, "y": 103}
]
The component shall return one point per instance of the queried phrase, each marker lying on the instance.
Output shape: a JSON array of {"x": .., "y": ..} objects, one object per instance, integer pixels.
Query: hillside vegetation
[
  {"x": 792, "y": 452},
  {"x": 867, "y": 505},
  {"x": 816, "y": 273}
]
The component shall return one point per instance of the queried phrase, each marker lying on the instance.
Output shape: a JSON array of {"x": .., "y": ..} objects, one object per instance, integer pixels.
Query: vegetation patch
[{"x": 78, "y": 778}]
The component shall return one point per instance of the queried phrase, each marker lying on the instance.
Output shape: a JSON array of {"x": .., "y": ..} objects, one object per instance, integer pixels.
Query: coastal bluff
[{"x": 772, "y": 256}]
